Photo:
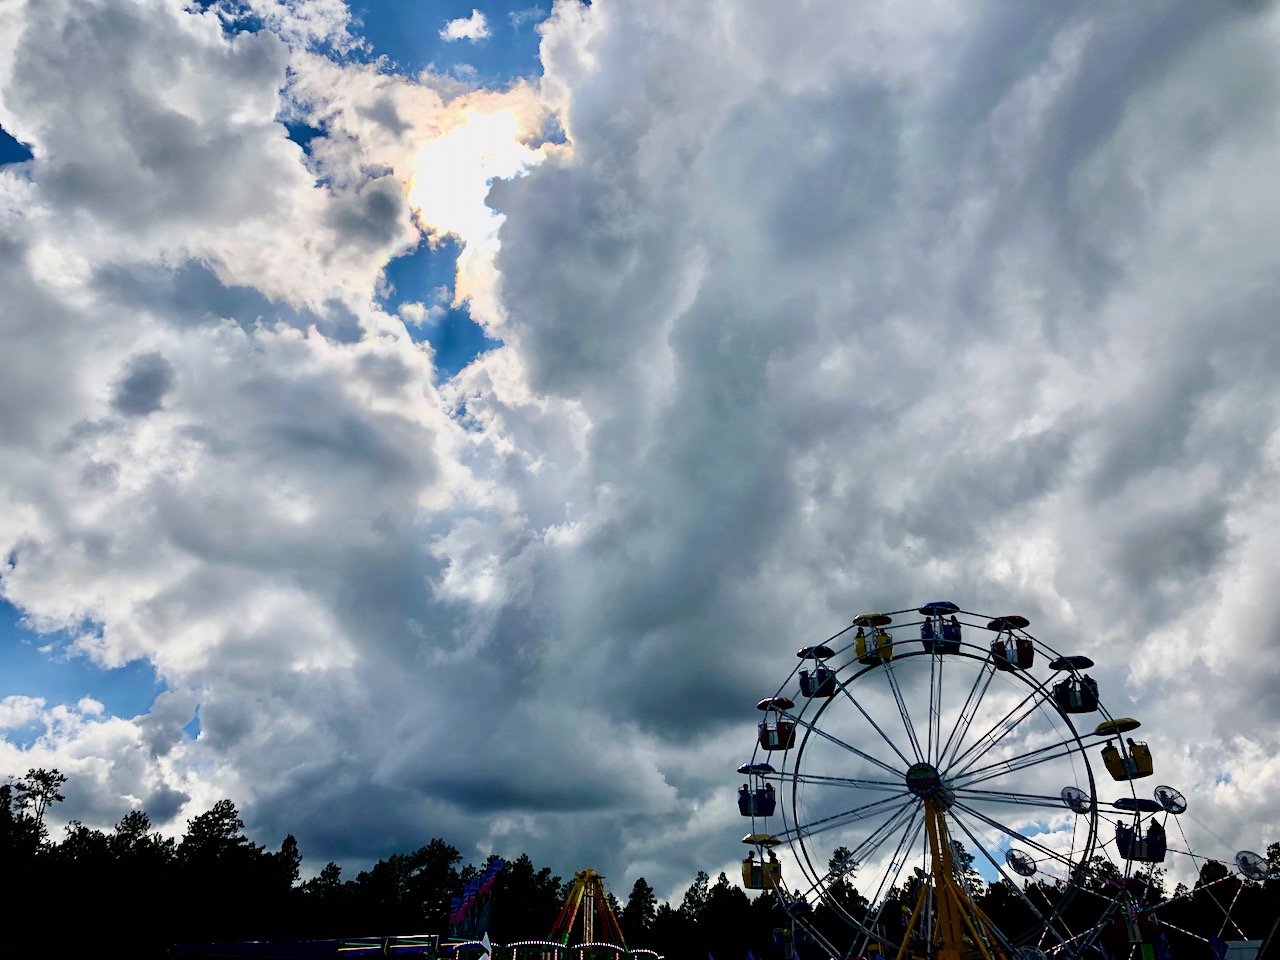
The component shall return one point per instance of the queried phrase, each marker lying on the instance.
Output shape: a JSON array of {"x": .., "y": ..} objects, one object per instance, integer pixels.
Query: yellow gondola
[
  {"x": 761, "y": 874},
  {"x": 1134, "y": 763},
  {"x": 872, "y": 620},
  {"x": 1111, "y": 728},
  {"x": 876, "y": 648}
]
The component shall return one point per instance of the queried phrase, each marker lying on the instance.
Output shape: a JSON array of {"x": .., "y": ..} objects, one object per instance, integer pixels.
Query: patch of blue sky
[
  {"x": 986, "y": 871},
  {"x": 425, "y": 276},
  {"x": 41, "y": 665},
  {"x": 1037, "y": 830},
  {"x": 13, "y": 150},
  {"x": 302, "y": 133},
  {"x": 236, "y": 15},
  {"x": 407, "y": 33}
]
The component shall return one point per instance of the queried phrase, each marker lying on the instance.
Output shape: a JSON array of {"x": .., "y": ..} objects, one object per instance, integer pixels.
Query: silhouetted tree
[
  {"x": 831, "y": 918},
  {"x": 37, "y": 790},
  {"x": 674, "y": 932},
  {"x": 695, "y": 898},
  {"x": 525, "y": 901},
  {"x": 639, "y": 913},
  {"x": 725, "y": 920}
]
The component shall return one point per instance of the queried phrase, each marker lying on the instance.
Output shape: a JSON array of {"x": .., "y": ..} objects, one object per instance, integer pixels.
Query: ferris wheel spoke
[
  {"x": 1053, "y": 802},
  {"x": 822, "y": 825},
  {"x": 981, "y": 684},
  {"x": 875, "y": 726},
  {"x": 902, "y": 709},
  {"x": 1012, "y": 832},
  {"x": 813, "y": 728},
  {"x": 909, "y": 836},
  {"x": 1002, "y": 871},
  {"x": 1005, "y": 725},
  {"x": 935, "y": 711},
  {"x": 865, "y": 849},
  {"x": 1226, "y": 915},
  {"x": 895, "y": 785},
  {"x": 1055, "y": 751},
  {"x": 1087, "y": 937}
]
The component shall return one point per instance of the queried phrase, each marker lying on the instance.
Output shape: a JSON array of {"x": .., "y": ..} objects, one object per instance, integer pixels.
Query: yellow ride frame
[{"x": 956, "y": 912}]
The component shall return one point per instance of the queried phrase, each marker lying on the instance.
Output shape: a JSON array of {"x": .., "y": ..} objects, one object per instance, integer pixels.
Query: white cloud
[
  {"x": 18, "y": 710},
  {"x": 420, "y": 314},
  {"x": 473, "y": 28}
]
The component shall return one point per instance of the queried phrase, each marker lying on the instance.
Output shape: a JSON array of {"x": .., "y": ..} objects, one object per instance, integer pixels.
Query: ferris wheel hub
[{"x": 924, "y": 780}]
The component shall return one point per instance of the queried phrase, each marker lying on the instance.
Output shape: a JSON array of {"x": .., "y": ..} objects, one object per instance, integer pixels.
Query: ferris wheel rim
[{"x": 903, "y": 827}]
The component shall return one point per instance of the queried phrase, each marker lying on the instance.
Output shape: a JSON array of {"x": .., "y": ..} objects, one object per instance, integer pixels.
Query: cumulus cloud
[
  {"x": 473, "y": 28},
  {"x": 804, "y": 317},
  {"x": 18, "y": 711},
  {"x": 419, "y": 314}
]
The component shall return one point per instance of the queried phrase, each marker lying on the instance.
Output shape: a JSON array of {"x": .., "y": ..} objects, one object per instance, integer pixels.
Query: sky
[{"x": 429, "y": 419}]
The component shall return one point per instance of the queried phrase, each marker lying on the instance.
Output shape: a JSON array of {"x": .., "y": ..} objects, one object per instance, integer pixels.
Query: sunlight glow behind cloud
[{"x": 449, "y": 184}]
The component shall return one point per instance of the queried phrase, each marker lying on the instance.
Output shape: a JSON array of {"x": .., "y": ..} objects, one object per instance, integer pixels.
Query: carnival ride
[
  {"x": 587, "y": 899},
  {"x": 587, "y": 910},
  {"x": 888, "y": 755}
]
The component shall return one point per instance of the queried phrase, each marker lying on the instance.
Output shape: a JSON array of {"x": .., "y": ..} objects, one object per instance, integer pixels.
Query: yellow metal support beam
[{"x": 957, "y": 914}]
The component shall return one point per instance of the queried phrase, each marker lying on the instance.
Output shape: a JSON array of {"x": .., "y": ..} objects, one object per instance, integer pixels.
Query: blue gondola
[
  {"x": 939, "y": 634},
  {"x": 1076, "y": 694},
  {"x": 1132, "y": 845},
  {"x": 820, "y": 683},
  {"x": 760, "y": 802},
  {"x": 939, "y": 608},
  {"x": 1139, "y": 804}
]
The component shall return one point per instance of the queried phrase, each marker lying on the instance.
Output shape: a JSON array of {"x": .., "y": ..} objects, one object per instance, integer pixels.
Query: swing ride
[
  {"x": 899, "y": 764},
  {"x": 587, "y": 919}
]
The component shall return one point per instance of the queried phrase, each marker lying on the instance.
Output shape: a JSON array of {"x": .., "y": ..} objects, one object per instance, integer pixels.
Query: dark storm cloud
[
  {"x": 823, "y": 180},
  {"x": 164, "y": 803},
  {"x": 917, "y": 397},
  {"x": 146, "y": 381},
  {"x": 373, "y": 215},
  {"x": 187, "y": 293},
  {"x": 383, "y": 112}
]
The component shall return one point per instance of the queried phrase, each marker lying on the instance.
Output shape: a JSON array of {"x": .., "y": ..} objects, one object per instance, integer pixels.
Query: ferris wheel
[{"x": 918, "y": 751}]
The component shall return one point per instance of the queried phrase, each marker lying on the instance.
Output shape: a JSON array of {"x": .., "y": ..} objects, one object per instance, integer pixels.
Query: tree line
[{"x": 132, "y": 886}]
